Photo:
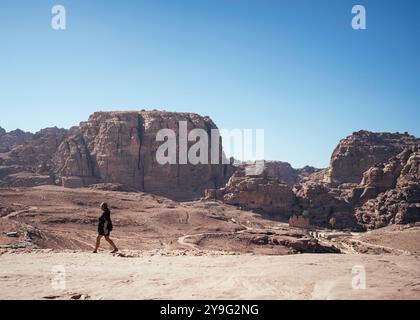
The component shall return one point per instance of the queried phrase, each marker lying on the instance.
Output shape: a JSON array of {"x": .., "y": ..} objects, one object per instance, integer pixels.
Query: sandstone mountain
[
  {"x": 360, "y": 151},
  {"x": 372, "y": 181},
  {"x": 111, "y": 147},
  {"x": 365, "y": 166},
  {"x": 393, "y": 190}
]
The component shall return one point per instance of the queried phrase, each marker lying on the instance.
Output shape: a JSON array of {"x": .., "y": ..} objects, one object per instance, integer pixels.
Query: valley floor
[{"x": 47, "y": 274}]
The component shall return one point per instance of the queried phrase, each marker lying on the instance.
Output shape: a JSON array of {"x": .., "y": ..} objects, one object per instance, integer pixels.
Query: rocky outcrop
[
  {"x": 269, "y": 191},
  {"x": 393, "y": 190},
  {"x": 36, "y": 152},
  {"x": 361, "y": 188},
  {"x": 280, "y": 171},
  {"x": 111, "y": 148},
  {"x": 362, "y": 150},
  {"x": 10, "y": 139},
  {"x": 372, "y": 181},
  {"x": 120, "y": 147},
  {"x": 27, "y": 160},
  {"x": 324, "y": 203},
  {"x": 112, "y": 187},
  {"x": 306, "y": 172},
  {"x": 26, "y": 179}
]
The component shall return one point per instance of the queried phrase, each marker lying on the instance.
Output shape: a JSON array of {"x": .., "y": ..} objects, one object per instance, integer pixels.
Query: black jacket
[{"x": 106, "y": 216}]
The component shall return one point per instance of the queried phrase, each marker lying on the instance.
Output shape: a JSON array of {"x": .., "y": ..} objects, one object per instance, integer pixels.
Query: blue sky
[{"x": 294, "y": 68}]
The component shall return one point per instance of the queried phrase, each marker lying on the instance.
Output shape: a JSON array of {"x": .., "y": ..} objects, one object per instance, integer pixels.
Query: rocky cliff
[
  {"x": 111, "y": 147},
  {"x": 361, "y": 187},
  {"x": 372, "y": 181},
  {"x": 390, "y": 192},
  {"x": 12, "y": 138},
  {"x": 25, "y": 158},
  {"x": 362, "y": 150}
]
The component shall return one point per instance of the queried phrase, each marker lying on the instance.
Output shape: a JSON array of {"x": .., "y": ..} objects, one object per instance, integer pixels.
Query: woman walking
[{"x": 105, "y": 228}]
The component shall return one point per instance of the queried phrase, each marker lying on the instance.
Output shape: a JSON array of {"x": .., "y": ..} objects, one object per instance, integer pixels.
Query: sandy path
[
  {"x": 305, "y": 276},
  {"x": 183, "y": 240}
]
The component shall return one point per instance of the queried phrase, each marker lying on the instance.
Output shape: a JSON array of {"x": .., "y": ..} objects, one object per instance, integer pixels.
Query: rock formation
[
  {"x": 390, "y": 193},
  {"x": 12, "y": 138},
  {"x": 324, "y": 203},
  {"x": 269, "y": 191},
  {"x": 372, "y": 181},
  {"x": 120, "y": 147},
  {"x": 362, "y": 150},
  {"x": 26, "y": 160},
  {"x": 366, "y": 185},
  {"x": 305, "y": 172},
  {"x": 111, "y": 147}
]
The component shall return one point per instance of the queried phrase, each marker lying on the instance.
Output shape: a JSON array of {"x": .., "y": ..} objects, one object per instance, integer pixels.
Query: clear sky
[{"x": 292, "y": 67}]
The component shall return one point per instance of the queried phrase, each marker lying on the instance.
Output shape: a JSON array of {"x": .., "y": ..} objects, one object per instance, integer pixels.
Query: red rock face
[
  {"x": 323, "y": 203},
  {"x": 372, "y": 182},
  {"x": 111, "y": 147},
  {"x": 120, "y": 147},
  {"x": 26, "y": 161},
  {"x": 395, "y": 191},
  {"x": 10, "y": 139},
  {"x": 270, "y": 191},
  {"x": 362, "y": 150}
]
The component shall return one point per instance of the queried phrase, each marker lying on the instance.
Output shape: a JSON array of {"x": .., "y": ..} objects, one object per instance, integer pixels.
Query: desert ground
[
  {"x": 156, "y": 276},
  {"x": 190, "y": 250}
]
